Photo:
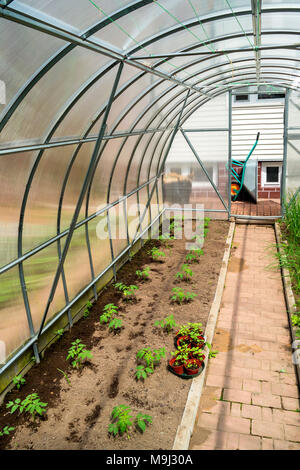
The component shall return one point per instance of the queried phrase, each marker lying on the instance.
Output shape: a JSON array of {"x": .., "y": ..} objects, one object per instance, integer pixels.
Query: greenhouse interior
[{"x": 150, "y": 225}]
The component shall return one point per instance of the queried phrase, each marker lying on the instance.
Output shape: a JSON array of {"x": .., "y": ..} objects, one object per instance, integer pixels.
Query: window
[
  {"x": 241, "y": 98},
  {"x": 270, "y": 96},
  {"x": 271, "y": 174}
]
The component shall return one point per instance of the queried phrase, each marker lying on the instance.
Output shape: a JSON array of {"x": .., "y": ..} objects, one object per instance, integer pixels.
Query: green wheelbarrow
[{"x": 237, "y": 179}]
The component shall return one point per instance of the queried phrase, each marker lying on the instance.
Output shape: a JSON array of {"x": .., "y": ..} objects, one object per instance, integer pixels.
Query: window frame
[{"x": 264, "y": 182}]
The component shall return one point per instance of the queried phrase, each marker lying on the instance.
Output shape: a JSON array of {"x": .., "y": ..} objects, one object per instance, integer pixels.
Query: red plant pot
[
  {"x": 189, "y": 371},
  {"x": 176, "y": 369},
  {"x": 182, "y": 338},
  {"x": 201, "y": 343}
]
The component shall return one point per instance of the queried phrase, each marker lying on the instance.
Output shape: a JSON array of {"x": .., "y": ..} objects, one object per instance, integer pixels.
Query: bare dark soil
[{"x": 79, "y": 413}]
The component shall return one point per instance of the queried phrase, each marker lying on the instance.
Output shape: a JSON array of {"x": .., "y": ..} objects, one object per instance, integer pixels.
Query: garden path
[{"x": 250, "y": 400}]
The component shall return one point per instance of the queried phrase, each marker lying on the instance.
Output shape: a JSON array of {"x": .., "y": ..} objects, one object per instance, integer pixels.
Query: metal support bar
[
  {"x": 284, "y": 161},
  {"x": 256, "y": 22},
  {"x": 217, "y": 52},
  {"x": 229, "y": 150},
  {"x": 81, "y": 196},
  {"x": 203, "y": 168}
]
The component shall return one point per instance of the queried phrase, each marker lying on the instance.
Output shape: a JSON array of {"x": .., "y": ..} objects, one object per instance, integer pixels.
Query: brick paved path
[{"x": 250, "y": 397}]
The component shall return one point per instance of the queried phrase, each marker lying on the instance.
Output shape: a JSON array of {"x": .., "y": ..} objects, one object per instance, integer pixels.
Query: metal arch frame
[
  {"x": 202, "y": 103},
  {"x": 81, "y": 197},
  {"x": 110, "y": 53},
  {"x": 90, "y": 82}
]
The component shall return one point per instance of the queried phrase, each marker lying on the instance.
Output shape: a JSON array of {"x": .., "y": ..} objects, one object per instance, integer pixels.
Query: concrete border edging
[
  {"x": 186, "y": 427},
  {"x": 288, "y": 293}
]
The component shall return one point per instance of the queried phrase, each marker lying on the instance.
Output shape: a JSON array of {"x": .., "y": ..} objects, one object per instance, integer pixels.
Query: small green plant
[
  {"x": 156, "y": 253},
  {"x": 142, "y": 372},
  {"x": 180, "y": 296},
  {"x": 194, "y": 255},
  {"x": 115, "y": 324},
  {"x": 65, "y": 375},
  {"x": 108, "y": 311},
  {"x": 31, "y": 404},
  {"x": 127, "y": 291},
  {"x": 78, "y": 352},
  {"x": 6, "y": 431},
  {"x": 18, "y": 381},
  {"x": 142, "y": 420},
  {"x": 151, "y": 358},
  {"x": 87, "y": 309},
  {"x": 122, "y": 420},
  {"x": 167, "y": 323},
  {"x": 185, "y": 274},
  {"x": 60, "y": 332},
  {"x": 143, "y": 274}
]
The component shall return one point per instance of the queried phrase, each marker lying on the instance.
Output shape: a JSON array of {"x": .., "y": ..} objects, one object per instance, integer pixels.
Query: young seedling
[
  {"x": 127, "y": 291},
  {"x": 78, "y": 352},
  {"x": 87, "y": 309},
  {"x": 6, "y": 431},
  {"x": 167, "y": 323},
  {"x": 156, "y": 253},
  {"x": 142, "y": 372},
  {"x": 151, "y": 358},
  {"x": 115, "y": 324},
  {"x": 60, "y": 332},
  {"x": 122, "y": 420},
  {"x": 142, "y": 420},
  {"x": 180, "y": 296},
  {"x": 19, "y": 381},
  {"x": 193, "y": 256},
  {"x": 185, "y": 274},
  {"x": 108, "y": 311},
  {"x": 144, "y": 274},
  {"x": 65, "y": 376},
  {"x": 31, "y": 404}
]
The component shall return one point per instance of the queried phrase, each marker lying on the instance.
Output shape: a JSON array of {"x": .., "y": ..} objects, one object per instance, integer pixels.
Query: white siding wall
[{"x": 252, "y": 118}]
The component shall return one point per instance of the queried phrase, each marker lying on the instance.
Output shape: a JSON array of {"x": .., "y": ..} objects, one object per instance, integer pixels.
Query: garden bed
[{"x": 80, "y": 404}]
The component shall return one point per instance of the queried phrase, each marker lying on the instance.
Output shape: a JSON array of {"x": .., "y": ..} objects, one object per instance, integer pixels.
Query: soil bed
[{"x": 79, "y": 413}]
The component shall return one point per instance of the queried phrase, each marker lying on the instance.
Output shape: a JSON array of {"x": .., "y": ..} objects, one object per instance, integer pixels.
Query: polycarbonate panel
[
  {"x": 49, "y": 96},
  {"x": 67, "y": 14},
  {"x": 149, "y": 154},
  {"x": 121, "y": 168},
  {"x": 74, "y": 182},
  {"x": 118, "y": 228},
  {"x": 293, "y": 163},
  {"x": 99, "y": 243},
  {"x": 212, "y": 115},
  {"x": 139, "y": 96},
  {"x": 77, "y": 266},
  {"x": 14, "y": 330},
  {"x": 185, "y": 38},
  {"x": 294, "y": 109},
  {"x": 143, "y": 196},
  {"x": 40, "y": 219},
  {"x": 132, "y": 216},
  {"x": 18, "y": 63},
  {"x": 99, "y": 189},
  {"x": 293, "y": 144},
  {"x": 83, "y": 113},
  {"x": 14, "y": 173},
  {"x": 39, "y": 271}
]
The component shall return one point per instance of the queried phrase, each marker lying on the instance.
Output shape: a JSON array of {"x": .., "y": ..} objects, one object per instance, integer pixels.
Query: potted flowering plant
[
  {"x": 194, "y": 362},
  {"x": 179, "y": 358}
]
